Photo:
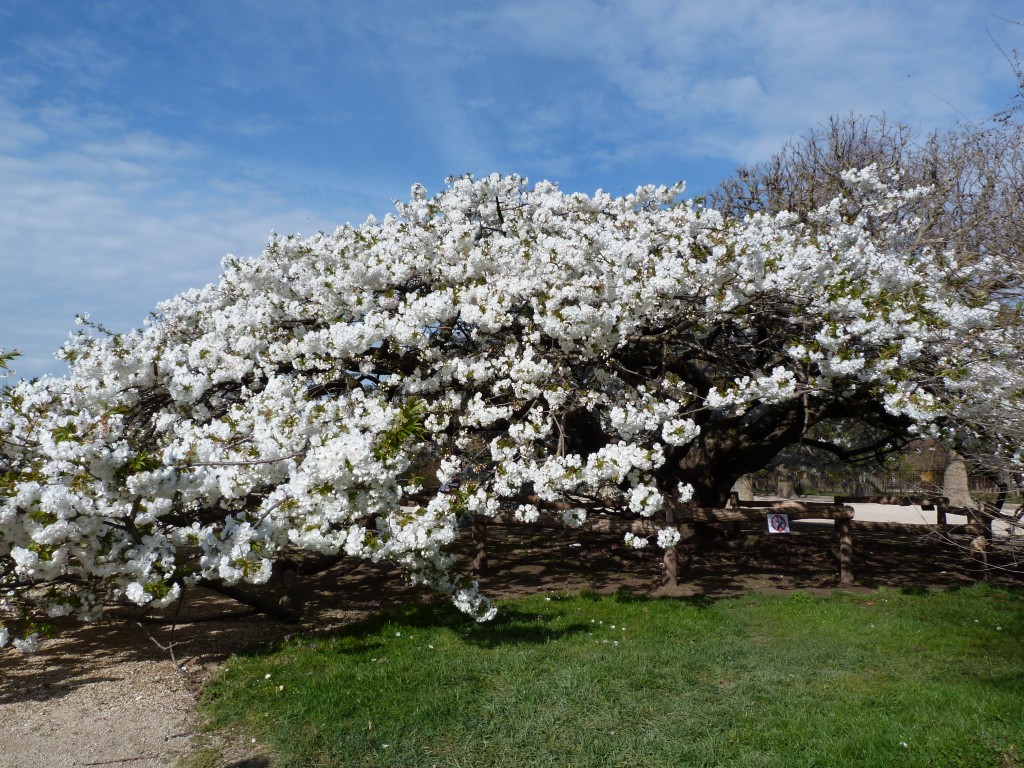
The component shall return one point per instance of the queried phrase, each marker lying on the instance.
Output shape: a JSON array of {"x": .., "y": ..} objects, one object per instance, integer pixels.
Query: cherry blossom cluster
[{"x": 356, "y": 394}]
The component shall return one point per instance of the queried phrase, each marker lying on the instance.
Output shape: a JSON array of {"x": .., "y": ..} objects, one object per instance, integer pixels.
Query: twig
[
  {"x": 123, "y": 760},
  {"x": 226, "y": 616},
  {"x": 169, "y": 648},
  {"x": 247, "y": 463}
]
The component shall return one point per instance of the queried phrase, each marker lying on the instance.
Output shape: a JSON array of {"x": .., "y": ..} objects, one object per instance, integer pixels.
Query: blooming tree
[{"x": 541, "y": 353}]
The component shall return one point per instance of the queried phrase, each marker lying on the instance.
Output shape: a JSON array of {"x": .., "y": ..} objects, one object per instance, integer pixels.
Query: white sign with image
[{"x": 778, "y": 522}]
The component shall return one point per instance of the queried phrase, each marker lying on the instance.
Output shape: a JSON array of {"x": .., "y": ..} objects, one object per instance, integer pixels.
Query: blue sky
[{"x": 143, "y": 140}]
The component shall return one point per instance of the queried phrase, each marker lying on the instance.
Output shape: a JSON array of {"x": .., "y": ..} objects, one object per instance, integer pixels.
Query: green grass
[{"x": 886, "y": 679}]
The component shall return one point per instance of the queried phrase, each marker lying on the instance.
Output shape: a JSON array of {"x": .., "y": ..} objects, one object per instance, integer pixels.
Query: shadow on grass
[
  {"x": 514, "y": 625},
  {"x": 517, "y": 623},
  {"x": 626, "y": 597}
]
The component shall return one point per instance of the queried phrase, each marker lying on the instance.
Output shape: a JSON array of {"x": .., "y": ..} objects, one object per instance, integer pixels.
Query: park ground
[{"x": 117, "y": 693}]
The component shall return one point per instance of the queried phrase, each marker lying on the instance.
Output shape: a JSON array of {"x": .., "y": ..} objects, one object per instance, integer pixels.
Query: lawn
[{"x": 888, "y": 678}]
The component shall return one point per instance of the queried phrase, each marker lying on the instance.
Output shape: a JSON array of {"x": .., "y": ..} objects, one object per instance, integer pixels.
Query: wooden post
[
  {"x": 940, "y": 510},
  {"x": 979, "y": 554},
  {"x": 982, "y": 532},
  {"x": 479, "y": 546},
  {"x": 670, "y": 560},
  {"x": 736, "y": 527},
  {"x": 844, "y": 527}
]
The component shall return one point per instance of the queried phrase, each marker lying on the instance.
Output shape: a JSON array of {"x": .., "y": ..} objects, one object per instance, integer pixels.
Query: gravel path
[
  {"x": 84, "y": 702},
  {"x": 108, "y": 694}
]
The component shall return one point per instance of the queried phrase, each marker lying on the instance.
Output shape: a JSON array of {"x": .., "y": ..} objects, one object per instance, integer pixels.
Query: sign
[{"x": 778, "y": 522}]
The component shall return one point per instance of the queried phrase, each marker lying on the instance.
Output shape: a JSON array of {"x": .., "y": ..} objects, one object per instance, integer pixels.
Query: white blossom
[
  {"x": 668, "y": 537},
  {"x": 574, "y": 518},
  {"x": 137, "y": 593},
  {"x": 634, "y": 541}
]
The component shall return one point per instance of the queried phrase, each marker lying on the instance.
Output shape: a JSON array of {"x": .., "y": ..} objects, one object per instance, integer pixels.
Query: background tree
[{"x": 974, "y": 208}]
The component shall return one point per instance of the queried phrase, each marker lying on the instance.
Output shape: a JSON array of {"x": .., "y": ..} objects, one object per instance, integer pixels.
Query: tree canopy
[{"x": 498, "y": 346}]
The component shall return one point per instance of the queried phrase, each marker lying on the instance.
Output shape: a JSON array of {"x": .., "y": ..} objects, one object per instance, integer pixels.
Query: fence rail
[{"x": 849, "y": 483}]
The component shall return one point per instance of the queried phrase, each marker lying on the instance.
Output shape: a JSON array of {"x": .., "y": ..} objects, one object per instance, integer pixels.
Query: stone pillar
[
  {"x": 787, "y": 488},
  {"x": 785, "y": 482},
  {"x": 954, "y": 483},
  {"x": 744, "y": 488}
]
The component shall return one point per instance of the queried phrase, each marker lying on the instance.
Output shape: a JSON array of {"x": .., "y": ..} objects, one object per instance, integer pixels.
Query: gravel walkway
[{"x": 91, "y": 701}]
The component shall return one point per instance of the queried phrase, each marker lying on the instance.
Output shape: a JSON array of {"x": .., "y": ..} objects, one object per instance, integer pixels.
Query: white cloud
[
  {"x": 759, "y": 70},
  {"x": 109, "y": 228}
]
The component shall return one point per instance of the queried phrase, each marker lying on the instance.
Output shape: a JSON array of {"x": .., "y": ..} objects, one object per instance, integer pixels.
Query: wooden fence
[
  {"x": 684, "y": 518},
  {"x": 861, "y": 483},
  {"x": 978, "y": 526}
]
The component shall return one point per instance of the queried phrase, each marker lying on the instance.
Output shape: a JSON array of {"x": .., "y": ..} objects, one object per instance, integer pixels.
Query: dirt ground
[{"x": 120, "y": 693}]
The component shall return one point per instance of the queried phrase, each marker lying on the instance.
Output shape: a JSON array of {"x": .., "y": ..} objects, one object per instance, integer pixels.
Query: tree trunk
[
  {"x": 282, "y": 597},
  {"x": 479, "y": 546},
  {"x": 717, "y": 460}
]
